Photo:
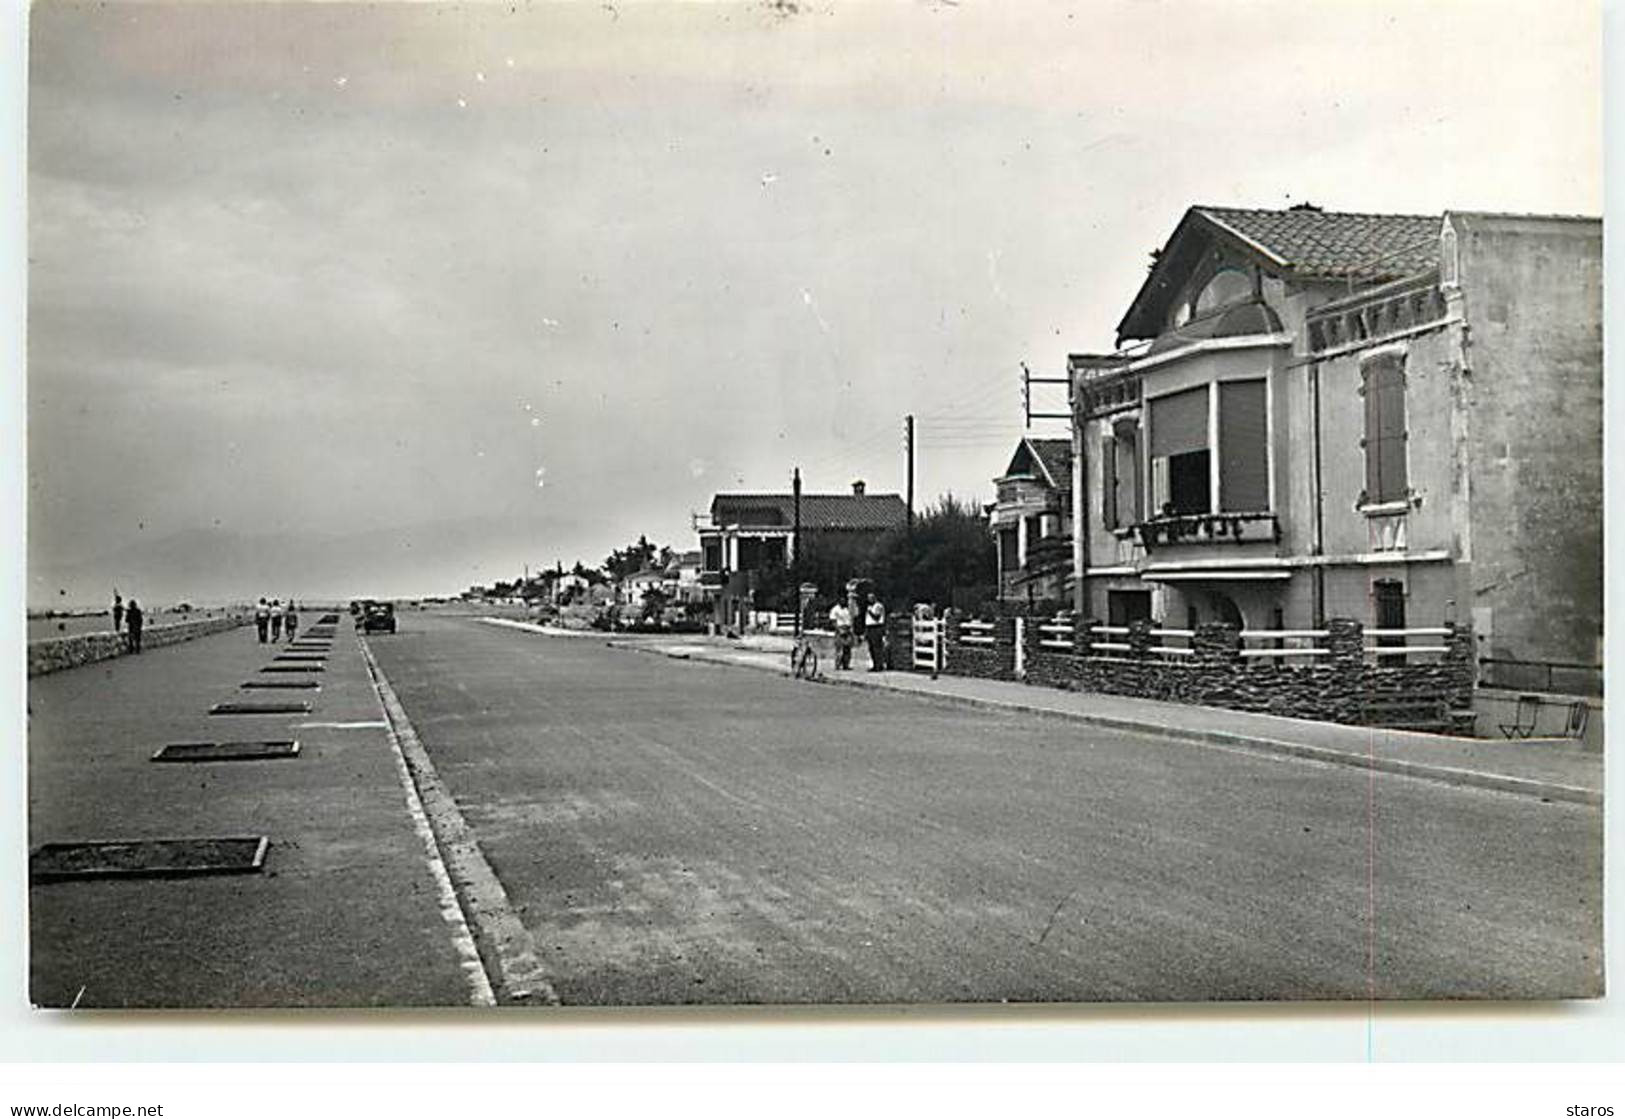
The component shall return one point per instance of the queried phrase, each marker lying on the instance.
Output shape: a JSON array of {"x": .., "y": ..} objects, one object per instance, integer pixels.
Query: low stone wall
[
  {"x": 53, "y": 654},
  {"x": 989, "y": 662},
  {"x": 1340, "y": 687}
]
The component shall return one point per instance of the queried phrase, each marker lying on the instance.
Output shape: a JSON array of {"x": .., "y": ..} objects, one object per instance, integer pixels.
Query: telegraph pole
[
  {"x": 795, "y": 548},
  {"x": 908, "y": 451}
]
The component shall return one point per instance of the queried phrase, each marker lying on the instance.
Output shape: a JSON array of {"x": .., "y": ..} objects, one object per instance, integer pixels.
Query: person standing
[
  {"x": 276, "y": 620},
  {"x": 134, "y": 619},
  {"x": 875, "y": 630},
  {"x": 118, "y": 612},
  {"x": 840, "y": 620},
  {"x": 262, "y": 620},
  {"x": 290, "y": 620}
]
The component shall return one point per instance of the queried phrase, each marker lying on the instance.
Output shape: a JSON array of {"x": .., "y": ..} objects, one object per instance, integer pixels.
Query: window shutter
[
  {"x": 1130, "y": 501},
  {"x": 1179, "y": 423},
  {"x": 1244, "y": 485},
  {"x": 1108, "y": 481},
  {"x": 1385, "y": 473}
]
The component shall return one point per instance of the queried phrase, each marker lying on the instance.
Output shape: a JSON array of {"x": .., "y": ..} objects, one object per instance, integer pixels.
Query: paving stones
[
  {"x": 284, "y": 685},
  {"x": 294, "y": 668},
  {"x": 227, "y": 751},
  {"x": 147, "y": 858}
]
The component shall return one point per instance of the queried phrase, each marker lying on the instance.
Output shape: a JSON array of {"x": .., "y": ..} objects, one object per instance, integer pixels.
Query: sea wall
[{"x": 53, "y": 654}]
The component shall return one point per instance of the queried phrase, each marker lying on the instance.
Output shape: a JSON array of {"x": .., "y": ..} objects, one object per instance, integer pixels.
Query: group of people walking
[
  {"x": 130, "y": 621},
  {"x": 864, "y": 620},
  {"x": 271, "y": 618}
]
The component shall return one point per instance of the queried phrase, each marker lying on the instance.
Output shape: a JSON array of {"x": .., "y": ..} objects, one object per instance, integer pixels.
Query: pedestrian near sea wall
[
  {"x": 290, "y": 620},
  {"x": 134, "y": 620},
  {"x": 118, "y": 612},
  {"x": 262, "y": 619},
  {"x": 276, "y": 620}
]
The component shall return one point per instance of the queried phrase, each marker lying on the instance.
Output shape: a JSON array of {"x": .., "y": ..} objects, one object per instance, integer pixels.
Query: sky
[{"x": 331, "y": 300}]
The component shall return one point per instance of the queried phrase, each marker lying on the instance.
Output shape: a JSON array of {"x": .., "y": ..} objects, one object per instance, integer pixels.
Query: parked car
[{"x": 378, "y": 617}]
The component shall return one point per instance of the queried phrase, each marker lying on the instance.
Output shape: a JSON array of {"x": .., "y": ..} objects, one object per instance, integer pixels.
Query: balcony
[{"x": 1209, "y": 528}]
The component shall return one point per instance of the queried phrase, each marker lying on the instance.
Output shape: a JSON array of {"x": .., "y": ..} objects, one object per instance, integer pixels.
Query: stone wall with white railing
[
  {"x": 983, "y": 647},
  {"x": 1420, "y": 678}
]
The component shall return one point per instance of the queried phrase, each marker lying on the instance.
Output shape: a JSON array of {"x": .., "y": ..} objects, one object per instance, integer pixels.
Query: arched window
[{"x": 1228, "y": 285}]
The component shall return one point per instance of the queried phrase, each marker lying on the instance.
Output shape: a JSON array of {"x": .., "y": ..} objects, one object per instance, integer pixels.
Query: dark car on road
[{"x": 377, "y": 617}]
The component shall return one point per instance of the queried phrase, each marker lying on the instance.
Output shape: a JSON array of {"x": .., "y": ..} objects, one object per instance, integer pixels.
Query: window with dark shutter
[
  {"x": 1383, "y": 379},
  {"x": 1130, "y": 506},
  {"x": 1179, "y": 451},
  {"x": 1179, "y": 423},
  {"x": 1108, "y": 482},
  {"x": 1244, "y": 485}
]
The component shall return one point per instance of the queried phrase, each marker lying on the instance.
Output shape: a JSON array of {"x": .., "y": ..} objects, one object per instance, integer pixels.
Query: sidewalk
[
  {"x": 1554, "y": 769},
  {"x": 347, "y": 911}
]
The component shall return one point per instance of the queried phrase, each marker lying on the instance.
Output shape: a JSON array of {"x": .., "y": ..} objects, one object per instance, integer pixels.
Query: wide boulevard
[{"x": 678, "y": 832}]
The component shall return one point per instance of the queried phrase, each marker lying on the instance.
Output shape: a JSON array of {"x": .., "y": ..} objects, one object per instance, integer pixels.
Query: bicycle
[{"x": 804, "y": 660}]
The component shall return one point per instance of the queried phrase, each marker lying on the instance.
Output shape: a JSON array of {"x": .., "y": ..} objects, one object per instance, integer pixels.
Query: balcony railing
[{"x": 1204, "y": 528}]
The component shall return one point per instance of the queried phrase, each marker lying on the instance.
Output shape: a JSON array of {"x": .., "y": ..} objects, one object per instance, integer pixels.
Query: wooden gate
[{"x": 927, "y": 645}]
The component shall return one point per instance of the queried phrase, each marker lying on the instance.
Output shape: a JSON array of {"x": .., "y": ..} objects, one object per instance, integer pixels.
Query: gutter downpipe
[{"x": 1318, "y": 605}]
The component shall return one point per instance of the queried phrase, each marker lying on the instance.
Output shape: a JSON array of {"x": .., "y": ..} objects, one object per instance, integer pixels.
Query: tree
[
  {"x": 630, "y": 560},
  {"x": 654, "y": 604},
  {"x": 953, "y": 551}
]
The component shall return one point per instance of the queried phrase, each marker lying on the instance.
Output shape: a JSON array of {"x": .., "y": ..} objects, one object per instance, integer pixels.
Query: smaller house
[
  {"x": 1032, "y": 520},
  {"x": 632, "y": 591},
  {"x": 568, "y": 587},
  {"x": 682, "y": 578},
  {"x": 748, "y": 534}
]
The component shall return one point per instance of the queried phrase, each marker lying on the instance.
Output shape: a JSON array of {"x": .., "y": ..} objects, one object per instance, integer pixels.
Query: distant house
[
  {"x": 748, "y": 533},
  {"x": 568, "y": 587},
  {"x": 682, "y": 578},
  {"x": 631, "y": 591},
  {"x": 1032, "y": 520}
]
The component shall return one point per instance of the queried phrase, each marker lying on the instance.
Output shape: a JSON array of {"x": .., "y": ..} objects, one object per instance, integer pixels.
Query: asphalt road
[{"x": 674, "y": 832}]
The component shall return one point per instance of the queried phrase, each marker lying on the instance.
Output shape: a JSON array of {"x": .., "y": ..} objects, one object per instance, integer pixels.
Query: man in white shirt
[{"x": 840, "y": 620}]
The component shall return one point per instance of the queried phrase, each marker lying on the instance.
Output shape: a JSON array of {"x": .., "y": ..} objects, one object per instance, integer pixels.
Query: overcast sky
[{"x": 391, "y": 299}]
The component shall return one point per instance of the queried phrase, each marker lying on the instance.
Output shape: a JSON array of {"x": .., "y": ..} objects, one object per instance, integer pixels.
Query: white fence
[
  {"x": 977, "y": 633},
  {"x": 773, "y": 621},
  {"x": 1400, "y": 642},
  {"x": 1294, "y": 645}
]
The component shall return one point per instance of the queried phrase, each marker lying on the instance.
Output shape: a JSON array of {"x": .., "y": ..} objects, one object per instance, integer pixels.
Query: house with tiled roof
[
  {"x": 1031, "y": 519},
  {"x": 1393, "y": 418},
  {"x": 746, "y": 534}
]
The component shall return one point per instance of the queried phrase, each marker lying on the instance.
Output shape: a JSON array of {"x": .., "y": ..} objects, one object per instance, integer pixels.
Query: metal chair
[
  {"x": 1579, "y": 716},
  {"x": 1523, "y": 720}
]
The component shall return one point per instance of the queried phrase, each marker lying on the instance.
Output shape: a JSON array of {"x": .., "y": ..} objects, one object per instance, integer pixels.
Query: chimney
[{"x": 857, "y": 488}]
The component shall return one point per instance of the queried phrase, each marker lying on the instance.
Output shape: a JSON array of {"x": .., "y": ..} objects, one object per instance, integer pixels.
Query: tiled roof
[
  {"x": 1306, "y": 244},
  {"x": 1057, "y": 458},
  {"x": 818, "y": 510},
  {"x": 1334, "y": 245},
  {"x": 1054, "y": 460}
]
